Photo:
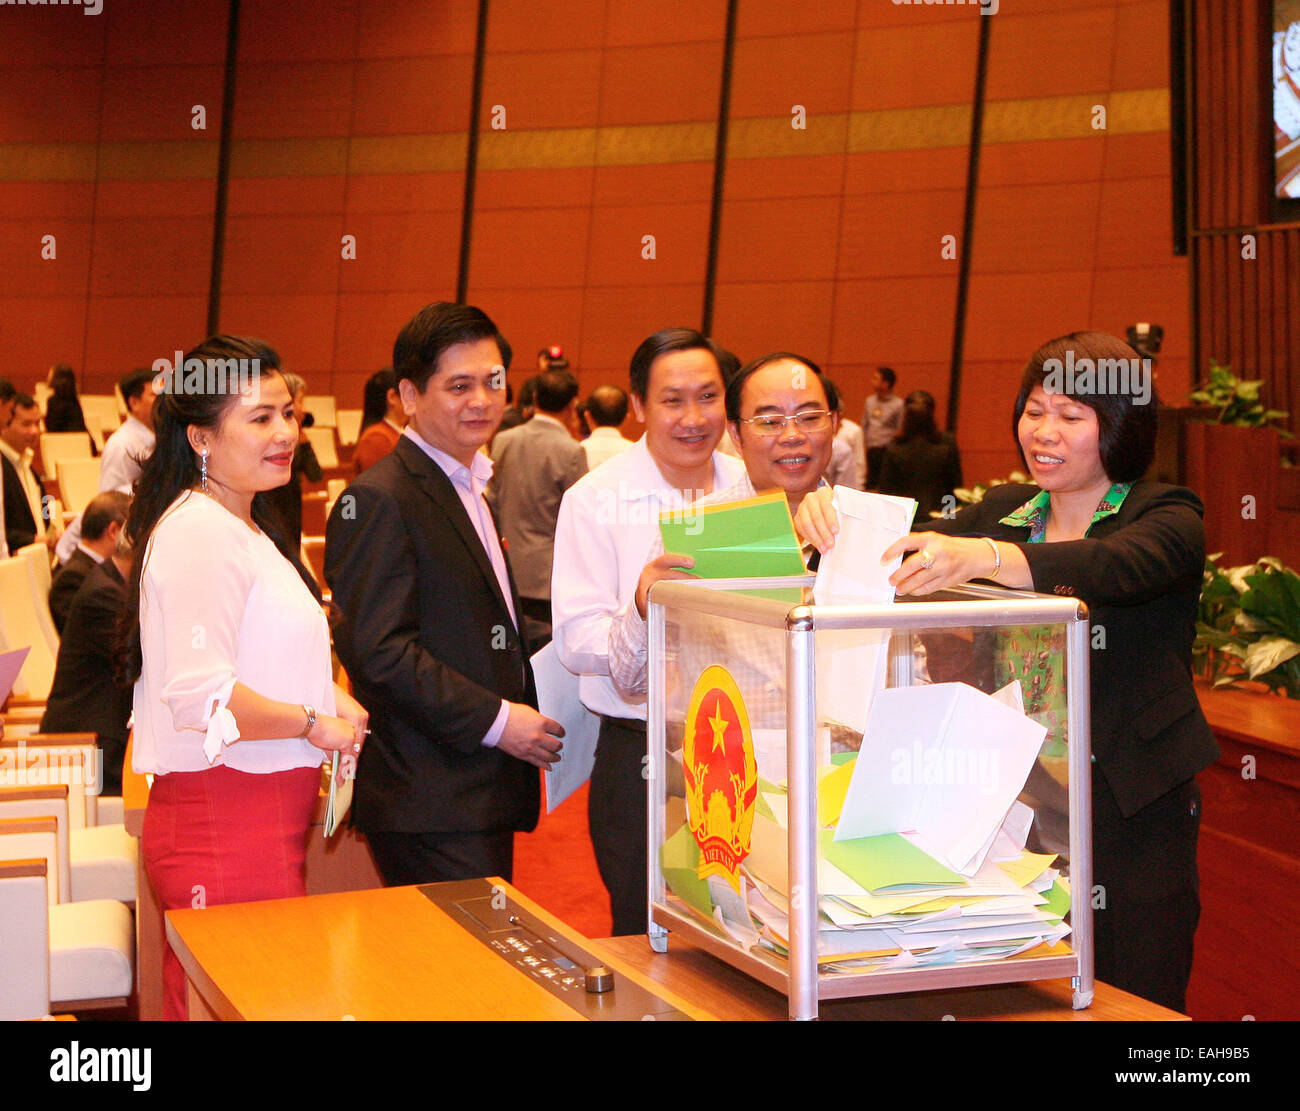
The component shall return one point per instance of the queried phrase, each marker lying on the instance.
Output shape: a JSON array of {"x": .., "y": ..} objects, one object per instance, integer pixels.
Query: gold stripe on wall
[{"x": 1128, "y": 112}]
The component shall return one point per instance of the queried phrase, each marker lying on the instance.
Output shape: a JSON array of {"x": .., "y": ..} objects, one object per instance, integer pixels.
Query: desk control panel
[{"x": 553, "y": 960}]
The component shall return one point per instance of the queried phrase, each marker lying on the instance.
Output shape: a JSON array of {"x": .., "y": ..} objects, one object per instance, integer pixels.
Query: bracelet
[
  {"x": 997, "y": 557},
  {"x": 310, "y": 711}
]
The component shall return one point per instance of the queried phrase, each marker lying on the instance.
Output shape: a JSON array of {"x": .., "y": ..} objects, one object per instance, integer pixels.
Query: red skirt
[{"x": 224, "y": 836}]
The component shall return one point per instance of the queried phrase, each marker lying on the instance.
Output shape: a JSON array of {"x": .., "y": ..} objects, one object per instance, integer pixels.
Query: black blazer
[
  {"x": 922, "y": 470},
  {"x": 83, "y": 696},
  {"x": 20, "y": 525},
  {"x": 428, "y": 643},
  {"x": 1139, "y": 571},
  {"x": 66, "y": 583}
]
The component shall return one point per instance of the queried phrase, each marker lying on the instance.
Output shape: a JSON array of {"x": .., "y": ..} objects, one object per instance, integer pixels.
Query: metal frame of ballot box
[{"x": 967, "y": 607}]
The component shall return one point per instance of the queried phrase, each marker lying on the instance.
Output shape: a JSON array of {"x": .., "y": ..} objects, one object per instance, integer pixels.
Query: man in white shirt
[
  {"x": 607, "y": 408},
  {"x": 25, "y": 508},
  {"x": 851, "y": 433},
  {"x": 782, "y": 414},
  {"x": 881, "y": 420},
  {"x": 609, "y": 520},
  {"x": 124, "y": 451}
]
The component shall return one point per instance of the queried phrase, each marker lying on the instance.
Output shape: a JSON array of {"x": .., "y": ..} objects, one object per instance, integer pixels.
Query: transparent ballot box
[{"x": 868, "y": 799}]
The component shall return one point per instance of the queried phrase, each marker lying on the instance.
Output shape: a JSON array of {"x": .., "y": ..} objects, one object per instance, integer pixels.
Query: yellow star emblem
[{"x": 719, "y": 724}]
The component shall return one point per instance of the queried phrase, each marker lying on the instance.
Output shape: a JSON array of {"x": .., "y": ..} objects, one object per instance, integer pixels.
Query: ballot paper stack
[{"x": 921, "y": 843}]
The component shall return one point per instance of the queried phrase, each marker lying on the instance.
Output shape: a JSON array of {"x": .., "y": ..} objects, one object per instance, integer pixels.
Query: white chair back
[
  {"x": 33, "y": 839},
  {"x": 49, "y": 801},
  {"x": 349, "y": 425},
  {"x": 102, "y": 417},
  {"x": 63, "y": 445},
  {"x": 43, "y": 759},
  {"x": 20, "y": 626},
  {"x": 78, "y": 482},
  {"x": 39, "y": 575},
  {"x": 322, "y": 443},
  {"x": 323, "y": 410},
  {"x": 25, "y": 955}
]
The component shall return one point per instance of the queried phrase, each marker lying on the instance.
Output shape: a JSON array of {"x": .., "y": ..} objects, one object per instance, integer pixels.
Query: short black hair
[
  {"x": 102, "y": 510},
  {"x": 607, "y": 406},
  {"x": 528, "y": 393},
  {"x": 728, "y": 363},
  {"x": 736, "y": 384},
  {"x": 7, "y": 390},
  {"x": 434, "y": 329},
  {"x": 1126, "y": 428},
  {"x": 663, "y": 342},
  {"x": 887, "y": 373},
  {"x": 133, "y": 382},
  {"x": 555, "y": 389},
  {"x": 24, "y": 401}
]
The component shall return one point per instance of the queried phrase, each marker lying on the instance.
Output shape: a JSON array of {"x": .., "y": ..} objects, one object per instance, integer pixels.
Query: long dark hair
[
  {"x": 63, "y": 381},
  {"x": 374, "y": 401},
  {"x": 173, "y": 468},
  {"x": 918, "y": 419}
]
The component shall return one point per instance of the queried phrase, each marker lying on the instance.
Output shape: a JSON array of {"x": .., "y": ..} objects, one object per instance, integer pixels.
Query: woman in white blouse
[{"x": 227, "y": 644}]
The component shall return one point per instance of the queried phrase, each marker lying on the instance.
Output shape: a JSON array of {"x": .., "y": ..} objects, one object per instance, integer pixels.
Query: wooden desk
[
  {"x": 343, "y": 863},
  {"x": 1248, "y": 944},
  {"x": 386, "y": 954}
]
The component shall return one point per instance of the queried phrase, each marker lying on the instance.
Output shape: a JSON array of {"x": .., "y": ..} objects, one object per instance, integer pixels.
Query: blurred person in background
[
  {"x": 382, "y": 419},
  {"x": 923, "y": 463},
  {"x": 63, "y": 410}
]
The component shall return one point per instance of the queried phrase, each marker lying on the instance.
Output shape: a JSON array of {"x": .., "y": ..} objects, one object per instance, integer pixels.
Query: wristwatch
[{"x": 310, "y": 711}]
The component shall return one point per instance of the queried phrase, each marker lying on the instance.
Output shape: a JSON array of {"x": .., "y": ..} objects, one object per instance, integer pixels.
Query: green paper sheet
[
  {"x": 746, "y": 539},
  {"x": 680, "y": 857},
  {"x": 1058, "y": 899},
  {"x": 885, "y": 861}
]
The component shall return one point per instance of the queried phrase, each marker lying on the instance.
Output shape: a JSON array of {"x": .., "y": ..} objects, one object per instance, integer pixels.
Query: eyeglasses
[{"x": 773, "y": 424}]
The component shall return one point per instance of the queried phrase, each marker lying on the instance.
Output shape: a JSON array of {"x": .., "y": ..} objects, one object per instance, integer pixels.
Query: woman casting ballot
[
  {"x": 1133, "y": 550},
  {"x": 235, "y": 706}
]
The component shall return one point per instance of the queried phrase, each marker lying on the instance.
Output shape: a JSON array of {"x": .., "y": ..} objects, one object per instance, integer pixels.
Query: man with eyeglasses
[{"x": 782, "y": 413}]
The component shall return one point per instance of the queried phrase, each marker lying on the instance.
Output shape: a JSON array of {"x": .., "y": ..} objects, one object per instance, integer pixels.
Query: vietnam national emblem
[{"x": 721, "y": 774}]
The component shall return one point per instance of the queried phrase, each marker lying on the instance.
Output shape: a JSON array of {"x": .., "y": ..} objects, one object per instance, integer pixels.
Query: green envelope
[
  {"x": 679, "y": 856},
  {"x": 747, "y": 539}
]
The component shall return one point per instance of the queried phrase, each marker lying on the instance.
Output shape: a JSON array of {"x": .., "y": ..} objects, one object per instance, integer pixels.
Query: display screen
[{"x": 1286, "y": 98}]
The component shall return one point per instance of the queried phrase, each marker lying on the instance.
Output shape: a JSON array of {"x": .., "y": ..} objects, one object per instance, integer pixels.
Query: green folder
[{"x": 747, "y": 539}]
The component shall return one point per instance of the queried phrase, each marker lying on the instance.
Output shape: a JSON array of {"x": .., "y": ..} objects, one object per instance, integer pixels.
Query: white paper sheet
[
  {"x": 557, "y": 697},
  {"x": 944, "y": 762}
]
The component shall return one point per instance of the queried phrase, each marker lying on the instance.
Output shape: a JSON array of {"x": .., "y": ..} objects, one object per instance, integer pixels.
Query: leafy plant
[
  {"x": 1236, "y": 401},
  {"x": 976, "y": 493},
  {"x": 1248, "y": 625}
]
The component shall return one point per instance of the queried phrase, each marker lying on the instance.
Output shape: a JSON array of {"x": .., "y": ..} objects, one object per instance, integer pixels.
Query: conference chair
[
  {"x": 102, "y": 417},
  {"x": 101, "y": 853},
  {"x": 21, "y": 626},
  {"x": 78, "y": 482},
  {"x": 323, "y": 411},
  {"x": 40, "y": 576},
  {"x": 349, "y": 426},
  {"x": 65, "y": 955},
  {"x": 63, "y": 445},
  {"x": 322, "y": 443}
]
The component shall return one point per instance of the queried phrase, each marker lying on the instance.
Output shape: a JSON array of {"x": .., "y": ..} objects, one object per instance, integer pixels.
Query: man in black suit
[
  {"x": 101, "y": 523},
  {"x": 429, "y": 631},
  {"x": 24, "y": 500},
  {"x": 84, "y": 696}
]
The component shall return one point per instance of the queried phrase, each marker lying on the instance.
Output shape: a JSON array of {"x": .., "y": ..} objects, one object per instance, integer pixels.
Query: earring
[{"x": 203, "y": 471}]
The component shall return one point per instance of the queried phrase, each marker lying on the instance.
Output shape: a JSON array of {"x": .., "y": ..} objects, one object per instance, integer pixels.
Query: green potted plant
[{"x": 1248, "y": 625}]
